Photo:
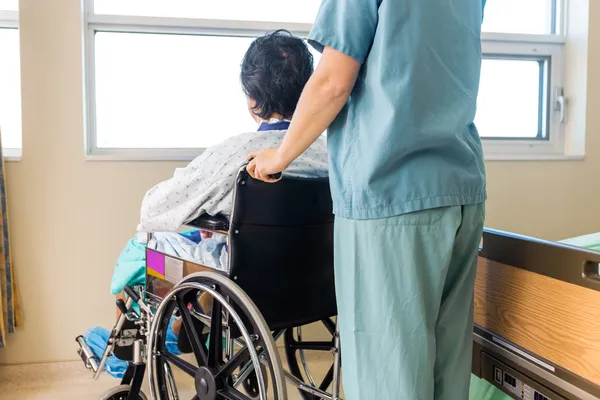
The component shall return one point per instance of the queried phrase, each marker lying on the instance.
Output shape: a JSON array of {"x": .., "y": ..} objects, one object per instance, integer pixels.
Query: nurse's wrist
[{"x": 282, "y": 159}]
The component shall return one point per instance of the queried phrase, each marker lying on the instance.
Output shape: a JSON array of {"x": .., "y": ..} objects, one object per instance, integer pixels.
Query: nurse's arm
[
  {"x": 324, "y": 96},
  {"x": 321, "y": 101}
]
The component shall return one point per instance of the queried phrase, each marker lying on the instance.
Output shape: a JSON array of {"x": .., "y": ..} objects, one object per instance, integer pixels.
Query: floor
[{"x": 71, "y": 381}]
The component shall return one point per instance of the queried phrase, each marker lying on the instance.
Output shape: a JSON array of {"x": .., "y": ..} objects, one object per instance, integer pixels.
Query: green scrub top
[{"x": 405, "y": 141}]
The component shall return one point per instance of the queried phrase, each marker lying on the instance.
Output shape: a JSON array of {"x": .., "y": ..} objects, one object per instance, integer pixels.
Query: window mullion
[
  {"x": 143, "y": 24},
  {"x": 9, "y": 19},
  {"x": 521, "y": 38}
]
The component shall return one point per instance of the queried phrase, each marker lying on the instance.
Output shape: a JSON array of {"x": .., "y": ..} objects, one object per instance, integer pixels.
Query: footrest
[{"x": 87, "y": 355}]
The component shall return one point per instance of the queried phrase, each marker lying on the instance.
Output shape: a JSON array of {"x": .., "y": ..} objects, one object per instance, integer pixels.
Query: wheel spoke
[
  {"x": 240, "y": 358},
  {"x": 161, "y": 378},
  {"x": 215, "y": 353},
  {"x": 230, "y": 393},
  {"x": 179, "y": 363},
  {"x": 198, "y": 347},
  {"x": 327, "y": 380},
  {"x": 330, "y": 325},
  {"x": 317, "y": 346}
]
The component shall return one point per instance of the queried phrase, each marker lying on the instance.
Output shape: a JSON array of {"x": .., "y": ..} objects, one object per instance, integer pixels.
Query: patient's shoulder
[
  {"x": 246, "y": 142},
  {"x": 237, "y": 142},
  {"x": 226, "y": 148}
]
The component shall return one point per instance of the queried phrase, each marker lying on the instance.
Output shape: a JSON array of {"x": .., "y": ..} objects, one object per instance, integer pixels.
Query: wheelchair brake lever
[{"x": 132, "y": 293}]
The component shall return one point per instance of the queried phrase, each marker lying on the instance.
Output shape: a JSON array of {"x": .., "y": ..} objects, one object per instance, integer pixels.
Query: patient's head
[{"x": 274, "y": 71}]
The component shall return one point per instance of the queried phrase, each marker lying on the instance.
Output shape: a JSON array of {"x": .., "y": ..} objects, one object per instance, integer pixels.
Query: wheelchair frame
[{"x": 152, "y": 306}]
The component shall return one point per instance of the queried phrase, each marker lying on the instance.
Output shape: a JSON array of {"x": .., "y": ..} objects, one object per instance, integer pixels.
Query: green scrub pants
[{"x": 405, "y": 303}]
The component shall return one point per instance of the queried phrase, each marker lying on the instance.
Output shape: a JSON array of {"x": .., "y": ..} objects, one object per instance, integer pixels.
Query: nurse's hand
[{"x": 264, "y": 164}]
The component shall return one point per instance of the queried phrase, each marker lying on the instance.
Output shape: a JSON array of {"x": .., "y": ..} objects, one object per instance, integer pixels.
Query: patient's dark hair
[{"x": 274, "y": 71}]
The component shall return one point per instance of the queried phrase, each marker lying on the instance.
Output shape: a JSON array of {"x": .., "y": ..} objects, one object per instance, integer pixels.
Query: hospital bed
[{"x": 536, "y": 334}]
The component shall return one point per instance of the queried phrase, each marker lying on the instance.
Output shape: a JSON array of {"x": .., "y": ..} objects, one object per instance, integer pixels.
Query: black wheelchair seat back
[{"x": 281, "y": 248}]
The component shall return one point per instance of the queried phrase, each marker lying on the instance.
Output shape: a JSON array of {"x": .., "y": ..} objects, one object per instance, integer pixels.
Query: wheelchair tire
[
  {"x": 293, "y": 349},
  {"x": 213, "y": 374},
  {"x": 120, "y": 393}
]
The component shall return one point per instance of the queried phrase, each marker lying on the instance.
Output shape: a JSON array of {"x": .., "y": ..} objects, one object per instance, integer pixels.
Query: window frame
[
  {"x": 549, "y": 48},
  {"x": 10, "y": 20}
]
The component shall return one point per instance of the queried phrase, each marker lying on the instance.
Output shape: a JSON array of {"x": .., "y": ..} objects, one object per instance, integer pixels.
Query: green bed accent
[
  {"x": 591, "y": 242},
  {"x": 483, "y": 390}
]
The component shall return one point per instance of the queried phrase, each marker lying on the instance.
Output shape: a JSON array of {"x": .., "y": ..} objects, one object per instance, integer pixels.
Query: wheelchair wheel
[
  {"x": 251, "y": 385},
  {"x": 120, "y": 393},
  {"x": 239, "y": 345},
  {"x": 296, "y": 347}
]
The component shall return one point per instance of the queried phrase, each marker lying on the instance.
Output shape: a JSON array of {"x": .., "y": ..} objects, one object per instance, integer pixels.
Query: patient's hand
[{"x": 205, "y": 234}]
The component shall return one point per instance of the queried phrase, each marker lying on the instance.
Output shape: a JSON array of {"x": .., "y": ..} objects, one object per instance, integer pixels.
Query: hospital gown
[{"x": 205, "y": 186}]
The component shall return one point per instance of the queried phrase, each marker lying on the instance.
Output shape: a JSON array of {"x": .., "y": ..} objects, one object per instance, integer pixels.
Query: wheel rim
[
  {"x": 214, "y": 377},
  {"x": 295, "y": 349}
]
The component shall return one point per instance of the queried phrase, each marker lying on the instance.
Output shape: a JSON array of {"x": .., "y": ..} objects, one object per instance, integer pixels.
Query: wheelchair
[{"x": 279, "y": 279}]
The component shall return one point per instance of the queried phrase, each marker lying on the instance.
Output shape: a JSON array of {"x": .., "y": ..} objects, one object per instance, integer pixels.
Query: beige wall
[{"x": 79, "y": 214}]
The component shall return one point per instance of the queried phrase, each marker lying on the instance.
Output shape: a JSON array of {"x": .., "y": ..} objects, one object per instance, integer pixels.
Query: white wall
[{"x": 70, "y": 218}]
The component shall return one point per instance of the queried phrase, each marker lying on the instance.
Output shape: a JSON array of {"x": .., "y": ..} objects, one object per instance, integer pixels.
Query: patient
[{"x": 273, "y": 74}]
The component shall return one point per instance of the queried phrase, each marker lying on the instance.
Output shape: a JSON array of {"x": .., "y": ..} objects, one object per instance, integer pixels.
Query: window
[
  {"x": 180, "y": 92},
  {"x": 163, "y": 76},
  {"x": 501, "y": 79},
  {"x": 520, "y": 107},
  {"x": 10, "y": 79}
]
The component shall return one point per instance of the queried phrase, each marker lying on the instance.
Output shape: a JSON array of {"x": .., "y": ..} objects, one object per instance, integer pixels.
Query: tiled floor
[{"x": 71, "y": 381}]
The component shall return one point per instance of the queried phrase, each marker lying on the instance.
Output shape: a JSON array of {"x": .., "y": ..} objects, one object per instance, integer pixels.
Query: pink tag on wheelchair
[{"x": 155, "y": 264}]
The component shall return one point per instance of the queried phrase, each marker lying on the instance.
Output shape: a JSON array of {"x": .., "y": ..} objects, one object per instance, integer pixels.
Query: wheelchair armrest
[{"x": 210, "y": 223}]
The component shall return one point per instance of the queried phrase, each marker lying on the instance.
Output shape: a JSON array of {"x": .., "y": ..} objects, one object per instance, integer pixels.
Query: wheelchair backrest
[{"x": 281, "y": 248}]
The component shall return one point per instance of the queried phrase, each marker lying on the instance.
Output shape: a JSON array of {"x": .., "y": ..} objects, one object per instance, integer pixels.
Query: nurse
[{"x": 396, "y": 88}]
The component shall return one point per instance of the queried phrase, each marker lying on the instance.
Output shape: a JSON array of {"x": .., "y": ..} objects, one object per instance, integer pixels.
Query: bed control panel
[{"x": 513, "y": 383}]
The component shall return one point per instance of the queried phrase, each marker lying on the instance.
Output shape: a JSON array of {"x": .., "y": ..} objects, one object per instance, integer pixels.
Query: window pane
[
  {"x": 169, "y": 91},
  {"x": 9, "y": 5},
  {"x": 255, "y": 10},
  {"x": 10, "y": 89},
  {"x": 508, "y": 105},
  {"x": 519, "y": 16}
]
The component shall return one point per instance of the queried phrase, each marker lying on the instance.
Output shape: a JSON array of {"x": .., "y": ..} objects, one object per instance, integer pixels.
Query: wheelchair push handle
[{"x": 275, "y": 176}]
